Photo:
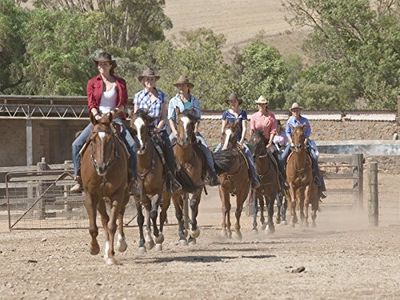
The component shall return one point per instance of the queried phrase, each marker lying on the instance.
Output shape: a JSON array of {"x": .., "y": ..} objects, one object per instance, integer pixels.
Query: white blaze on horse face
[
  {"x": 102, "y": 134},
  {"x": 139, "y": 123},
  {"x": 186, "y": 121},
  {"x": 228, "y": 134}
]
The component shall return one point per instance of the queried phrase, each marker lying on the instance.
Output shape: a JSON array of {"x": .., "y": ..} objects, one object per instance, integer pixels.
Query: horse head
[
  {"x": 228, "y": 138},
  {"x": 258, "y": 143},
  {"x": 185, "y": 127},
  {"x": 102, "y": 144},
  {"x": 141, "y": 122},
  {"x": 298, "y": 137}
]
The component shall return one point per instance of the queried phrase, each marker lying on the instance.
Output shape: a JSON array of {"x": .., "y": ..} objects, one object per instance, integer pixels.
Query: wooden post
[
  {"x": 373, "y": 202},
  {"x": 29, "y": 143},
  {"x": 41, "y": 166},
  {"x": 67, "y": 207},
  {"x": 357, "y": 163}
]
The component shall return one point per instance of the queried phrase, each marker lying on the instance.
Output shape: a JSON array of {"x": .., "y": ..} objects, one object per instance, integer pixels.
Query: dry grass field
[{"x": 239, "y": 20}]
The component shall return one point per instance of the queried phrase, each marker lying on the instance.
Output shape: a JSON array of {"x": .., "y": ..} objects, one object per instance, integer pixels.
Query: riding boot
[
  {"x": 212, "y": 178},
  {"x": 174, "y": 184},
  {"x": 77, "y": 187}
]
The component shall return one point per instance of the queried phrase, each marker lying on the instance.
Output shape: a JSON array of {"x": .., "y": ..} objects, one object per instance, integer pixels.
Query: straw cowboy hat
[
  {"x": 103, "y": 57},
  {"x": 262, "y": 100},
  {"x": 295, "y": 106},
  {"x": 148, "y": 72},
  {"x": 183, "y": 79},
  {"x": 232, "y": 97}
]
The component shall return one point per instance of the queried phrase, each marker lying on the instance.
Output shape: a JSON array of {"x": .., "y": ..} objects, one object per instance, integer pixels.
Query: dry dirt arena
[{"x": 343, "y": 258}]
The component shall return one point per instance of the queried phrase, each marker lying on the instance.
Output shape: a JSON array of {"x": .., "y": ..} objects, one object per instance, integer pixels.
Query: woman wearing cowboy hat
[
  {"x": 232, "y": 115},
  {"x": 297, "y": 119},
  {"x": 264, "y": 120},
  {"x": 185, "y": 101},
  {"x": 153, "y": 101},
  {"x": 106, "y": 94}
]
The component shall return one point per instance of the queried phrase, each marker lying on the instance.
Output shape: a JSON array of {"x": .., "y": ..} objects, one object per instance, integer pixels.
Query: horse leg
[
  {"x": 140, "y": 222},
  {"x": 270, "y": 200},
  {"x": 121, "y": 241},
  {"x": 112, "y": 228},
  {"x": 165, "y": 203},
  {"x": 178, "y": 203},
  {"x": 262, "y": 217},
  {"x": 284, "y": 208},
  {"x": 91, "y": 206},
  {"x": 225, "y": 207},
  {"x": 240, "y": 198},
  {"x": 104, "y": 221},
  {"x": 194, "y": 206},
  {"x": 279, "y": 203},
  {"x": 293, "y": 204},
  {"x": 159, "y": 237},
  {"x": 314, "y": 209},
  {"x": 149, "y": 242},
  {"x": 254, "y": 198}
]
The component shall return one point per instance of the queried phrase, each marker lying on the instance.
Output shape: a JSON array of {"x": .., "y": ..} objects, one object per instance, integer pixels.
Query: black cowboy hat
[
  {"x": 183, "y": 79},
  {"x": 148, "y": 72},
  {"x": 233, "y": 96},
  {"x": 103, "y": 57}
]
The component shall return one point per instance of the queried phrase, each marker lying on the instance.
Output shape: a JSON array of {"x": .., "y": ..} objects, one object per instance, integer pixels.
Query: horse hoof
[
  {"x": 314, "y": 225},
  {"x": 254, "y": 230},
  {"x": 278, "y": 221},
  {"x": 158, "y": 247},
  {"x": 263, "y": 226},
  {"x": 195, "y": 233},
  {"x": 94, "y": 250},
  {"x": 271, "y": 229},
  {"x": 192, "y": 242},
  {"x": 284, "y": 222},
  {"x": 111, "y": 261},
  {"x": 185, "y": 233},
  {"x": 122, "y": 245},
  {"x": 150, "y": 245},
  {"x": 159, "y": 239},
  {"x": 183, "y": 242},
  {"x": 142, "y": 250},
  {"x": 237, "y": 235},
  {"x": 223, "y": 233}
]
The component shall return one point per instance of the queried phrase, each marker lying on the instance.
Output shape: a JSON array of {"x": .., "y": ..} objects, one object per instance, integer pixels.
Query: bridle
[{"x": 113, "y": 158}]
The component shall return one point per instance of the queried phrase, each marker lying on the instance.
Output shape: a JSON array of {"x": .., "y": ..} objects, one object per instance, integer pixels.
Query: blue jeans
[
  {"x": 207, "y": 152},
  {"x": 252, "y": 166},
  {"x": 82, "y": 138}
]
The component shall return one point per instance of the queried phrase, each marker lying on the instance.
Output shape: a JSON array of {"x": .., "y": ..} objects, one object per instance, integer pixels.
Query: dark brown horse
[
  {"x": 152, "y": 191},
  {"x": 267, "y": 170},
  {"x": 191, "y": 170},
  {"x": 234, "y": 178},
  {"x": 300, "y": 178},
  {"x": 104, "y": 171}
]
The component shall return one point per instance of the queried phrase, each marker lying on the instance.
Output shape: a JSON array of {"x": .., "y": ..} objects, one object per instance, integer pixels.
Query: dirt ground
[{"x": 343, "y": 258}]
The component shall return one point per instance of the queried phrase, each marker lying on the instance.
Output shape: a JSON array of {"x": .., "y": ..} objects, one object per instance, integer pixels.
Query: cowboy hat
[
  {"x": 232, "y": 97},
  {"x": 295, "y": 106},
  {"x": 262, "y": 100},
  {"x": 148, "y": 72},
  {"x": 183, "y": 79},
  {"x": 103, "y": 57}
]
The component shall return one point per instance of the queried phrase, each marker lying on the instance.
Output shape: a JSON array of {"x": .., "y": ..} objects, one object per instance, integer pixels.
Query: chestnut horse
[
  {"x": 104, "y": 172},
  {"x": 300, "y": 178},
  {"x": 191, "y": 168},
  {"x": 234, "y": 178},
  {"x": 152, "y": 191},
  {"x": 267, "y": 171}
]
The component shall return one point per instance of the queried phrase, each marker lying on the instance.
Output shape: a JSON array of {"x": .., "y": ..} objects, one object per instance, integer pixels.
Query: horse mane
[
  {"x": 223, "y": 160},
  {"x": 193, "y": 118}
]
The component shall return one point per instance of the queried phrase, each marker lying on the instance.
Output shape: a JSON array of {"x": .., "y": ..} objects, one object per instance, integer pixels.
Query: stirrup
[{"x": 77, "y": 188}]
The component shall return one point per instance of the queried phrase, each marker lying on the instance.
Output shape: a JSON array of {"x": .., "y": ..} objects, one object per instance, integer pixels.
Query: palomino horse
[
  {"x": 269, "y": 182},
  {"x": 234, "y": 178},
  {"x": 152, "y": 191},
  {"x": 191, "y": 170},
  {"x": 300, "y": 178},
  {"x": 104, "y": 171}
]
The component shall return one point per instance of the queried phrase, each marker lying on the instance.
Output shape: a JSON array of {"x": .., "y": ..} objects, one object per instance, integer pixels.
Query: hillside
[{"x": 239, "y": 20}]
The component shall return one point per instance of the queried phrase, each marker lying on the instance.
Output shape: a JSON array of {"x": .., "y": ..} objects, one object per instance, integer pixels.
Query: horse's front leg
[
  {"x": 121, "y": 240},
  {"x": 262, "y": 217},
  {"x": 91, "y": 208},
  {"x": 279, "y": 204},
  {"x": 148, "y": 238},
  {"x": 293, "y": 204},
  {"x": 112, "y": 228},
  {"x": 226, "y": 208},
  {"x": 165, "y": 203},
  {"x": 307, "y": 193},
  {"x": 194, "y": 207},
  {"x": 140, "y": 222},
  {"x": 254, "y": 201},
  {"x": 270, "y": 205},
  {"x": 177, "y": 198},
  {"x": 240, "y": 199},
  {"x": 159, "y": 238}
]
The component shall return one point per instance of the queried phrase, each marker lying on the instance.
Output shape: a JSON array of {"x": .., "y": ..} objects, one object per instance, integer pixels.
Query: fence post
[
  {"x": 373, "y": 202},
  {"x": 357, "y": 163},
  {"x": 41, "y": 166},
  {"x": 67, "y": 207}
]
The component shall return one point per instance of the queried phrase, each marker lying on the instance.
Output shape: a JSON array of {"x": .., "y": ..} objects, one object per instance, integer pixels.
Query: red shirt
[
  {"x": 94, "y": 90},
  {"x": 266, "y": 124}
]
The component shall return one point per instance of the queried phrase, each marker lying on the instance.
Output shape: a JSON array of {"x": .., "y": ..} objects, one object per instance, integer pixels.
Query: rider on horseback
[
  {"x": 106, "y": 94},
  {"x": 153, "y": 101},
  {"x": 265, "y": 121},
  {"x": 295, "y": 120},
  {"x": 185, "y": 101},
  {"x": 235, "y": 113}
]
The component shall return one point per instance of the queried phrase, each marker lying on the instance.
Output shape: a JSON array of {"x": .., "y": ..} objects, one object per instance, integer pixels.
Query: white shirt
[{"x": 108, "y": 100}]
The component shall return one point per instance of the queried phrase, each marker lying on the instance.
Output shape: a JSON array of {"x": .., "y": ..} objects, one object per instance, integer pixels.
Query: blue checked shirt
[
  {"x": 294, "y": 122},
  {"x": 176, "y": 102},
  {"x": 142, "y": 100}
]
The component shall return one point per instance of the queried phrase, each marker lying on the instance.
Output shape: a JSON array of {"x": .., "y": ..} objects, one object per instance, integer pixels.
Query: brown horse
[
  {"x": 234, "y": 178},
  {"x": 300, "y": 178},
  {"x": 152, "y": 191},
  {"x": 191, "y": 170},
  {"x": 104, "y": 171},
  {"x": 267, "y": 170}
]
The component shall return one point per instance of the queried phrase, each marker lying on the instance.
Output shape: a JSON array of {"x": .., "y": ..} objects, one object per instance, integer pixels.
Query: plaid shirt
[{"x": 142, "y": 100}]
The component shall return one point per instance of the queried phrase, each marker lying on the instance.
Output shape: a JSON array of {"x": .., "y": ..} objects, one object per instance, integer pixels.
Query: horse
[
  {"x": 267, "y": 170},
  {"x": 104, "y": 173},
  {"x": 152, "y": 190},
  {"x": 299, "y": 176},
  {"x": 191, "y": 167},
  {"x": 234, "y": 177}
]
